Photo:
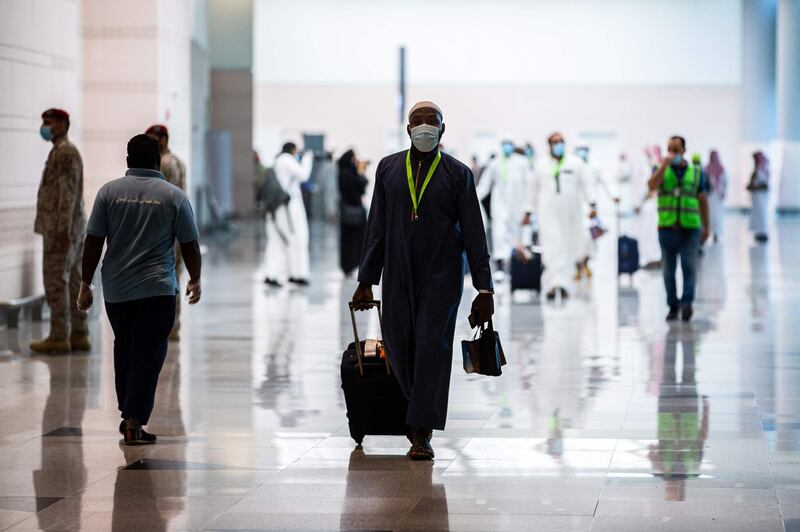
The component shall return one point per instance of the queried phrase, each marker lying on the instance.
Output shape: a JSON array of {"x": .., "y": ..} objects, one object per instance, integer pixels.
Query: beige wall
[
  {"x": 501, "y": 67},
  {"x": 39, "y": 68},
  {"x": 364, "y": 116},
  {"x": 136, "y": 73},
  {"x": 117, "y": 67}
]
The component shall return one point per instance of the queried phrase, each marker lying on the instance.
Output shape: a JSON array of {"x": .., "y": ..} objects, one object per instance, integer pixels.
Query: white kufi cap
[{"x": 425, "y": 104}]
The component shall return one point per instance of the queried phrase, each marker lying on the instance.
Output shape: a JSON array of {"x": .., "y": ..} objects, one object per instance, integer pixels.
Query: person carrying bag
[{"x": 484, "y": 353}]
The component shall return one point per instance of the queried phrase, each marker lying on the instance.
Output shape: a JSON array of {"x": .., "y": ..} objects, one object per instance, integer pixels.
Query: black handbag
[
  {"x": 352, "y": 215},
  {"x": 484, "y": 354}
]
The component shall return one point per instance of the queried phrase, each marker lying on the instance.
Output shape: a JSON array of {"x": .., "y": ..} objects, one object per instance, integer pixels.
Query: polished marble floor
[{"x": 606, "y": 419}]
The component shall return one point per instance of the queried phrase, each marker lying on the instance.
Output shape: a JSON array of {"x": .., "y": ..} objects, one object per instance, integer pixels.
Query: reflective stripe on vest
[{"x": 678, "y": 205}]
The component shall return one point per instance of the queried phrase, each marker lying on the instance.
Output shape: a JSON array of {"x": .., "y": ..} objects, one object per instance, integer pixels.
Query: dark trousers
[
  {"x": 141, "y": 334},
  {"x": 686, "y": 244}
]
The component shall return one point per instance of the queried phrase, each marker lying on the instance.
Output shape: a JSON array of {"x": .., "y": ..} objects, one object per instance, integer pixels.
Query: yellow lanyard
[
  {"x": 557, "y": 174},
  {"x": 411, "y": 185},
  {"x": 557, "y": 169}
]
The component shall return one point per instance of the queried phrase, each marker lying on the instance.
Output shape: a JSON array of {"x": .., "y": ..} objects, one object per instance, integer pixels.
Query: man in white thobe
[
  {"x": 594, "y": 181},
  {"x": 507, "y": 179},
  {"x": 624, "y": 184},
  {"x": 287, "y": 230},
  {"x": 558, "y": 196}
]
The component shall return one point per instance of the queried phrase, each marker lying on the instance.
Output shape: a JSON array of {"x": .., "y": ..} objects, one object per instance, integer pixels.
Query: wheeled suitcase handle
[
  {"x": 359, "y": 356},
  {"x": 369, "y": 304}
]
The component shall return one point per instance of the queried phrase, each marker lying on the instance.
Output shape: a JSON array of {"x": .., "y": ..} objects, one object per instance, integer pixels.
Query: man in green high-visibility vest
[{"x": 682, "y": 223}]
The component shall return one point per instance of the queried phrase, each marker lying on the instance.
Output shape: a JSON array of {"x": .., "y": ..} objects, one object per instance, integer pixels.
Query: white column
[
  {"x": 758, "y": 90},
  {"x": 788, "y": 93}
]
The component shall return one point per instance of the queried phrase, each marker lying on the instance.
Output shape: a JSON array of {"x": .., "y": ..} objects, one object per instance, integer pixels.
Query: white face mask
[{"x": 425, "y": 137}]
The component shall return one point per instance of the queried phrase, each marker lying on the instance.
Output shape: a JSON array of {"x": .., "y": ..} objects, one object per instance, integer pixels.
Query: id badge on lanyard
[{"x": 415, "y": 201}]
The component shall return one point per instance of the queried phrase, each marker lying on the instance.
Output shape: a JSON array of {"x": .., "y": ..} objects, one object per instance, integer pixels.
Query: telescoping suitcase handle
[{"x": 359, "y": 355}]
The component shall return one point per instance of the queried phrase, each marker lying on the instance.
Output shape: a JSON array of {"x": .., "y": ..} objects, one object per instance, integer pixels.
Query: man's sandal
[{"x": 420, "y": 452}]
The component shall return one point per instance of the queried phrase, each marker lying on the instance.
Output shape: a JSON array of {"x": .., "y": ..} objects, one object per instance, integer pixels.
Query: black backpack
[{"x": 274, "y": 195}]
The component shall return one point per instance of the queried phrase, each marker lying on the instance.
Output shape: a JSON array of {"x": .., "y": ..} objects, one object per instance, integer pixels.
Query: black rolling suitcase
[
  {"x": 526, "y": 275},
  {"x": 375, "y": 403},
  {"x": 627, "y": 251},
  {"x": 627, "y": 255}
]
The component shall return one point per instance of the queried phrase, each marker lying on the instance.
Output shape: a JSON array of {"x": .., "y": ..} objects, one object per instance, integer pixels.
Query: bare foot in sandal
[{"x": 421, "y": 446}]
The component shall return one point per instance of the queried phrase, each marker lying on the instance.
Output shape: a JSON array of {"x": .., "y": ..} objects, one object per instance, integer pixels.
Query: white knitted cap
[{"x": 424, "y": 104}]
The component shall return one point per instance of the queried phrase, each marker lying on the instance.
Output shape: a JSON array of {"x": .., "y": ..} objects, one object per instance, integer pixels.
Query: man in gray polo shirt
[{"x": 140, "y": 216}]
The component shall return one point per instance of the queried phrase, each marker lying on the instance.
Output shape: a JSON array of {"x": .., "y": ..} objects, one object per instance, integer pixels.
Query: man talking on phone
[
  {"x": 682, "y": 223},
  {"x": 424, "y": 217},
  {"x": 139, "y": 217}
]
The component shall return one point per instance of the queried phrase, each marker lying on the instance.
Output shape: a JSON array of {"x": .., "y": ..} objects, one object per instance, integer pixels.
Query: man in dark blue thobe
[{"x": 424, "y": 216}]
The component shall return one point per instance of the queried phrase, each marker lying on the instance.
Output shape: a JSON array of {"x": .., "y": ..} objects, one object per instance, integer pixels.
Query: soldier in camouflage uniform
[
  {"x": 61, "y": 221},
  {"x": 175, "y": 173}
]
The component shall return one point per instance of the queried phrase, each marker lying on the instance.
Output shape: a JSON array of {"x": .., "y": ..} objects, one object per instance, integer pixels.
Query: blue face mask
[
  {"x": 508, "y": 149},
  {"x": 677, "y": 159},
  {"x": 529, "y": 153},
  {"x": 46, "y": 133},
  {"x": 558, "y": 149}
]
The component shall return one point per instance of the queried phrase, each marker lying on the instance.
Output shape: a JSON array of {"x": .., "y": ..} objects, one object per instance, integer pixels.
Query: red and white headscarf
[
  {"x": 714, "y": 170},
  {"x": 762, "y": 163}
]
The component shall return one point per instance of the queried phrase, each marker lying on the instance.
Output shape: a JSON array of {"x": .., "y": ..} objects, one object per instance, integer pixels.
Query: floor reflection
[
  {"x": 601, "y": 421},
  {"x": 280, "y": 392},
  {"x": 139, "y": 503},
  {"x": 416, "y": 502},
  {"x": 759, "y": 287},
  {"x": 565, "y": 380},
  {"x": 683, "y": 416},
  {"x": 62, "y": 460},
  {"x": 555, "y": 435},
  {"x": 141, "y": 486}
]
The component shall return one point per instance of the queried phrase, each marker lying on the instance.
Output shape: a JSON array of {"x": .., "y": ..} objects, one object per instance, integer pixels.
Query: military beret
[
  {"x": 56, "y": 113},
  {"x": 158, "y": 130}
]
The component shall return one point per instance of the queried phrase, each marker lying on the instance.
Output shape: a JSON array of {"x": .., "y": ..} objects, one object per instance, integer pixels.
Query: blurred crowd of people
[
  {"x": 545, "y": 202},
  {"x": 545, "y": 206}
]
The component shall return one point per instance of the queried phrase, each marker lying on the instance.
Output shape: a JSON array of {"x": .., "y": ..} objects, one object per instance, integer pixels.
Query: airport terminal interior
[{"x": 606, "y": 416}]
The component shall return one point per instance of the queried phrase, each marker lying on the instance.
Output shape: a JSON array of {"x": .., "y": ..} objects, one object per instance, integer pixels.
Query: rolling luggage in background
[
  {"x": 627, "y": 250},
  {"x": 375, "y": 403},
  {"x": 627, "y": 255},
  {"x": 526, "y": 275}
]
